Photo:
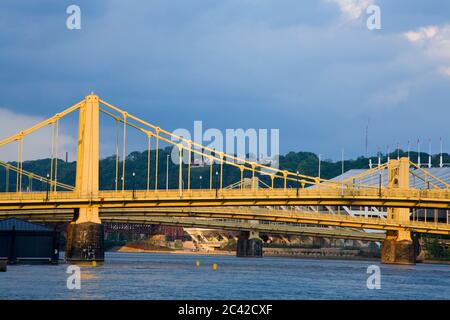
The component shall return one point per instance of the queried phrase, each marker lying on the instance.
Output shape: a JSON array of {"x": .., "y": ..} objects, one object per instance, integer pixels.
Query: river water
[{"x": 175, "y": 276}]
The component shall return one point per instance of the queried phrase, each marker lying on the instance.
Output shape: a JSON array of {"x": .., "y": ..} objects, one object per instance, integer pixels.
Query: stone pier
[
  {"x": 398, "y": 248},
  {"x": 249, "y": 244},
  {"x": 85, "y": 241}
]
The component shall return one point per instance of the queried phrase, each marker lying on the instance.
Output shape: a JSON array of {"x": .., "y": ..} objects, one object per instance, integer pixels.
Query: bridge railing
[{"x": 349, "y": 193}]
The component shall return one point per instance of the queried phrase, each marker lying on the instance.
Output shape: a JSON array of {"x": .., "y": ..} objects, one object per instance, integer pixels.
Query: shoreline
[
  {"x": 232, "y": 253},
  {"x": 134, "y": 250}
]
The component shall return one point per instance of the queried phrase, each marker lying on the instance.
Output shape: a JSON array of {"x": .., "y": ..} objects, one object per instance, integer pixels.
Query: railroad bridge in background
[{"x": 86, "y": 205}]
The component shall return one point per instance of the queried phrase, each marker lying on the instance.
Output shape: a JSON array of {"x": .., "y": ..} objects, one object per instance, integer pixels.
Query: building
[{"x": 22, "y": 241}]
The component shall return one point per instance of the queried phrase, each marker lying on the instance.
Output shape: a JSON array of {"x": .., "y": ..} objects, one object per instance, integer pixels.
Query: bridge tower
[
  {"x": 398, "y": 247},
  {"x": 85, "y": 231}
]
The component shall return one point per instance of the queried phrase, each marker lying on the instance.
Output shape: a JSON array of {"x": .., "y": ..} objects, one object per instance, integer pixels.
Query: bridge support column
[
  {"x": 398, "y": 246},
  {"x": 249, "y": 244},
  {"x": 85, "y": 237},
  {"x": 85, "y": 232}
]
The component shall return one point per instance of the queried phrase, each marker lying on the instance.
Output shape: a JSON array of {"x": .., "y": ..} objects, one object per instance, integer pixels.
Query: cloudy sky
[{"x": 309, "y": 68}]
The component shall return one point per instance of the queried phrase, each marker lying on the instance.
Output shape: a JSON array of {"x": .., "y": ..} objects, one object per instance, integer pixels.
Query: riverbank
[
  {"x": 171, "y": 251},
  {"x": 299, "y": 253},
  {"x": 269, "y": 252}
]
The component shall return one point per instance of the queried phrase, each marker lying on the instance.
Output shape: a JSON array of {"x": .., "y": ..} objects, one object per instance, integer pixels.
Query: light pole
[
  {"x": 217, "y": 182},
  {"x": 320, "y": 158},
  {"x": 48, "y": 186},
  {"x": 200, "y": 181},
  {"x": 298, "y": 182},
  {"x": 134, "y": 184},
  {"x": 379, "y": 184},
  {"x": 167, "y": 172}
]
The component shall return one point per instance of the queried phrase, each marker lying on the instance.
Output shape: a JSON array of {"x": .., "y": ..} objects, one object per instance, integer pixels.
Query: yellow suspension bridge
[{"x": 90, "y": 205}]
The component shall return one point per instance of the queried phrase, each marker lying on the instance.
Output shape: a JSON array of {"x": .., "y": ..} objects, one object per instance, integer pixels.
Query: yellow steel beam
[
  {"x": 403, "y": 198},
  {"x": 36, "y": 176},
  {"x": 234, "y": 225},
  {"x": 262, "y": 214},
  {"x": 40, "y": 125}
]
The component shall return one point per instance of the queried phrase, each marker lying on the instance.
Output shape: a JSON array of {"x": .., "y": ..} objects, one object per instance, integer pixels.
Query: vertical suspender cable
[
  {"x": 210, "y": 172},
  {"x": 117, "y": 153},
  {"x": 21, "y": 163},
  {"x": 124, "y": 149},
  {"x": 156, "y": 158},
  {"x": 52, "y": 155},
  {"x": 180, "y": 173},
  {"x": 221, "y": 170},
  {"x": 56, "y": 153},
  {"x": 18, "y": 160},
  {"x": 253, "y": 175},
  {"x": 148, "y": 161},
  {"x": 7, "y": 179},
  {"x": 189, "y": 169}
]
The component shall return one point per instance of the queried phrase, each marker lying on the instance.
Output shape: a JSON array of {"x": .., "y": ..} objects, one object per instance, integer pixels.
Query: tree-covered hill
[{"x": 304, "y": 162}]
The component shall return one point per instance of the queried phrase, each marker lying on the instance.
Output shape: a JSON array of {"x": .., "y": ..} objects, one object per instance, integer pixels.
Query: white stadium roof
[{"x": 416, "y": 180}]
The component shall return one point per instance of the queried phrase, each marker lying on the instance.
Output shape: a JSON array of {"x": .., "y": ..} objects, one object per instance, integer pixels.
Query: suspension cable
[
  {"x": 189, "y": 169},
  {"x": 227, "y": 159},
  {"x": 148, "y": 160},
  {"x": 56, "y": 153},
  {"x": 180, "y": 173},
  {"x": 7, "y": 179},
  {"x": 221, "y": 170},
  {"x": 52, "y": 155},
  {"x": 124, "y": 149},
  {"x": 19, "y": 165},
  {"x": 210, "y": 172},
  {"x": 156, "y": 159},
  {"x": 117, "y": 153}
]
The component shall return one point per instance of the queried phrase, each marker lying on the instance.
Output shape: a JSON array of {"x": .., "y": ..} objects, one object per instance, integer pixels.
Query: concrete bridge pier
[
  {"x": 398, "y": 248},
  {"x": 85, "y": 237},
  {"x": 249, "y": 244}
]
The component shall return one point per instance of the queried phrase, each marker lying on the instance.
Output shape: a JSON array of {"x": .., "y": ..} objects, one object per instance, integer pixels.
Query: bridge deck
[{"x": 434, "y": 198}]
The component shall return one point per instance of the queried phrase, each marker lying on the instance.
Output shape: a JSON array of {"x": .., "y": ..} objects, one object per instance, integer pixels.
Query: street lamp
[
  {"x": 134, "y": 184},
  {"x": 320, "y": 158},
  {"x": 217, "y": 182},
  {"x": 167, "y": 172},
  {"x": 48, "y": 186},
  {"x": 200, "y": 181}
]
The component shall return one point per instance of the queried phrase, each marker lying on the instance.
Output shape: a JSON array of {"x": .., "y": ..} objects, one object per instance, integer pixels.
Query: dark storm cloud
[{"x": 293, "y": 65}]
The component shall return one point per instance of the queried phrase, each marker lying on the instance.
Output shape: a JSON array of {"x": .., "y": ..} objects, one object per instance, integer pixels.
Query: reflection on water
[{"x": 172, "y": 276}]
